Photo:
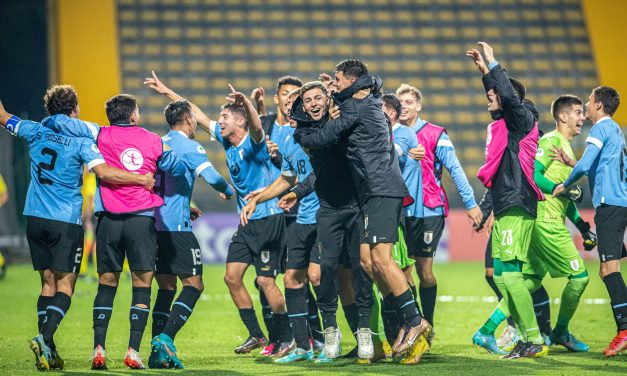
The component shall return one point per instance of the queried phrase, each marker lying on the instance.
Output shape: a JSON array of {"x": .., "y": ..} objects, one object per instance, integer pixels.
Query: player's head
[
  {"x": 315, "y": 100},
  {"x": 232, "y": 120},
  {"x": 411, "y": 103},
  {"x": 494, "y": 102},
  {"x": 285, "y": 85},
  {"x": 347, "y": 72},
  {"x": 61, "y": 99},
  {"x": 180, "y": 116},
  {"x": 122, "y": 109},
  {"x": 603, "y": 101},
  {"x": 567, "y": 110},
  {"x": 291, "y": 97},
  {"x": 392, "y": 107}
]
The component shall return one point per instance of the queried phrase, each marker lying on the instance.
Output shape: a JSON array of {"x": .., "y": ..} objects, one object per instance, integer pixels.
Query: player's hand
[
  {"x": 488, "y": 52},
  {"x": 194, "y": 213},
  {"x": 417, "y": 153},
  {"x": 224, "y": 196},
  {"x": 589, "y": 237},
  {"x": 273, "y": 147},
  {"x": 288, "y": 201},
  {"x": 334, "y": 111},
  {"x": 558, "y": 154},
  {"x": 325, "y": 78},
  {"x": 149, "y": 181},
  {"x": 155, "y": 84},
  {"x": 557, "y": 190},
  {"x": 574, "y": 193},
  {"x": 258, "y": 95},
  {"x": 252, "y": 194},
  {"x": 247, "y": 212},
  {"x": 361, "y": 94},
  {"x": 474, "y": 216},
  {"x": 238, "y": 98},
  {"x": 478, "y": 60}
]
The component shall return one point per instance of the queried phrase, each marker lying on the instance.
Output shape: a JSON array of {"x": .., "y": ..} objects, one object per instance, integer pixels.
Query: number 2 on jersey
[{"x": 46, "y": 166}]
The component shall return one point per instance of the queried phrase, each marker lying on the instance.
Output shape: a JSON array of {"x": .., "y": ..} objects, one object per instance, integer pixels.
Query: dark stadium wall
[
  {"x": 86, "y": 45},
  {"x": 23, "y": 81},
  {"x": 606, "y": 28}
]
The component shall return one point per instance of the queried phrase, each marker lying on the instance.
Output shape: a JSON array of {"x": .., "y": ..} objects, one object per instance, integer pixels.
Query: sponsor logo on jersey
[{"x": 132, "y": 159}]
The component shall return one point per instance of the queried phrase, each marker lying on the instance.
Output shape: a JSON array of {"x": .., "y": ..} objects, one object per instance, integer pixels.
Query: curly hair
[{"x": 60, "y": 99}]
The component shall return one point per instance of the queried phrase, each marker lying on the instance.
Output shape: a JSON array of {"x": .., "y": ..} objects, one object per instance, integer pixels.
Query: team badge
[
  {"x": 428, "y": 237},
  {"x": 574, "y": 264},
  {"x": 540, "y": 152},
  {"x": 200, "y": 149},
  {"x": 132, "y": 159},
  {"x": 265, "y": 256}
]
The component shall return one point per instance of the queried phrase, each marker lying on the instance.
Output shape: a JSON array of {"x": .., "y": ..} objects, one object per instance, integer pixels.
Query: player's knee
[
  {"x": 195, "y": 282},
  {"x": 609, "y": 267},
  {"x": 265, "y": 282},
  {"x": 314, "y": 276},
  {"x": 232, "y": 281},
  {"x": 366, "y": 265},
  {"x": 108, "y": 279}
]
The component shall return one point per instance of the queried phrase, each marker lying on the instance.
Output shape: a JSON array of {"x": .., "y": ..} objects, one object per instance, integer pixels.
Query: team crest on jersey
[
  {"x": 265, "y": 256},
  {"x": 132, "y": 159},
  {"x": 200, "y": 149},
  {"x": 574, "y": 264},
  {"x": 540, "y": 152},
  {"x": 94, "y": 147},
  {"x": 428, "y": 237}
]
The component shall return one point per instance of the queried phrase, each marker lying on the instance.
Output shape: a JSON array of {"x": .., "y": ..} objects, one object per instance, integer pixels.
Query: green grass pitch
[{"x": 206, "y": 343}]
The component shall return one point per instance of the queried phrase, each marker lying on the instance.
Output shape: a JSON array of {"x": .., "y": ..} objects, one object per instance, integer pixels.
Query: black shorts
[
  {"x": 339, "y": 234},
  {"x": 611, "y": 222},
  {"x": 488, "y": 260},
  {"x": 422, "y": 235},
  {"x": 261, "y": 243},
  {"x": 54, "y": 244},
  {"x": 381, "y": 217},
  {"x": 301, "y": 241},
  {"x": 178, "y": 253},
  {"x": 130, "y": 235}
]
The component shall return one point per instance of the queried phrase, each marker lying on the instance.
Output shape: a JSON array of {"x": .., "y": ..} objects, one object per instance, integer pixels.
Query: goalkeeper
[{"x": 552, "y": 249}]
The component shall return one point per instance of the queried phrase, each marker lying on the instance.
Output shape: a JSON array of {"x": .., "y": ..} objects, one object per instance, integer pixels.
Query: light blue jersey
[
  {"x": 296, "y": 163},
  {"x": 278, "y": 136},
  {"x": 444, "y": 157},
  {"x": 56, "y": 169},
  {"x": 605, "y": 163},
  {"x": 250, "y": 169},
  {"x": 177, "y": 190},
  {"x": 404, "y": 140}
]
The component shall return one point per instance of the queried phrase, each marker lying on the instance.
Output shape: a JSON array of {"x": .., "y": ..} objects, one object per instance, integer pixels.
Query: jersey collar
[{"x": 603, "y": 119}]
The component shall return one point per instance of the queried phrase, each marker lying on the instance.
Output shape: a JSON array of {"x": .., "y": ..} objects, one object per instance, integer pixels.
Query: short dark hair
[
  {"x": 352, "y": 68},
  {"x": 120, "y": 108},
  {"x": 175, "y": 111},
  {"x": 288, "y": 80},
  {"x": 232, "y": 107},
  {"x": 562, "y": 103},
  {"x": 609, "y": 97},
  {"x": 390, "y": 100},
  {"x": 60, "y": 99},
  {"x": 313, "y": 85}
]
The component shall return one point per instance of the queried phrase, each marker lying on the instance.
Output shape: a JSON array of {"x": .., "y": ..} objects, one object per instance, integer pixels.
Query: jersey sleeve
[
  {"x": 197, "y": 162},
  {"x": 170, "y": 162},
  {"x": 90, "y": 154},
  {"x": 71, "y": 126},
  {"x": 595, "y": 141},
  {"x": 445, "y": 151},
  {"x": 26, "y": 129}
]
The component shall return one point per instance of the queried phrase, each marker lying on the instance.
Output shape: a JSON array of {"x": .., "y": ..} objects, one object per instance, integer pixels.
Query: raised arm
[
  {"x": 203, "y": 119},
  {"x": 252, "y": 117}
]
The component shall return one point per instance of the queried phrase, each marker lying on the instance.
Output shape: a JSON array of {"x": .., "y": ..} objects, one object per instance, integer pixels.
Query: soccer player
[
  {"x": 424, "y": 219},
  {"x": 380, "y": 187},
  {"x": 260, "y": 243},
  {"x": 605, "y": 163},
  {"x": 178, "y": 251},
  {"x": 301, "y": 239},
  {"x": 338, "y": 226},
  {"x": 552, "y": 249},
  {"x": 53, "y": 208},
  {"x": 509, "y": 173}
]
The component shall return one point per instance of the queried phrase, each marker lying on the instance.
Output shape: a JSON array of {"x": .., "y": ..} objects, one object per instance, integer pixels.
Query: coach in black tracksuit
[
  {"x": 380, "y": 187},
  {"x": 338, "y": 222}
]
